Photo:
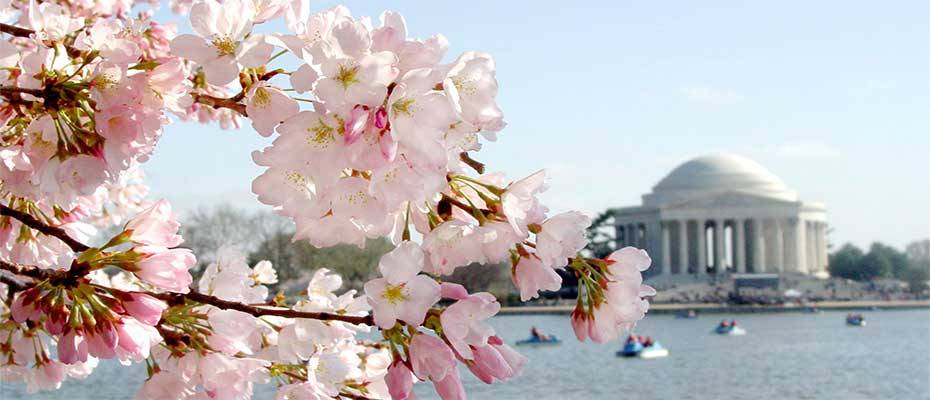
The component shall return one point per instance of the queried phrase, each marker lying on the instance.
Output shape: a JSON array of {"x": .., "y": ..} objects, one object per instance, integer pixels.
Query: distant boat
[
  {"x": 855, "y": 320},
  {"x": 729, "y": 330},
  {"x": 636, "y": 349},
  {"x": 550, "y": 340},
  {"x": 689, "y": 314},
  {"x": 812, "y": 310}
]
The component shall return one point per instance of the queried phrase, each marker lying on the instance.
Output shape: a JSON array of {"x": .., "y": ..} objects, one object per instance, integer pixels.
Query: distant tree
[
  {"x": 898, "y": 261},
  {"x": 601, "y": 235},
  {"x": 206, "y": 230},
  {"x": 845, "y": 262},
  {"x": 482, "y": 278},
  {"x": 918, "y": 252},
  {"x": 295, "y": 262}
]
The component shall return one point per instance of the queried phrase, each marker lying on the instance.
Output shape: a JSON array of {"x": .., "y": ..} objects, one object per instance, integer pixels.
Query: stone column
[
  {"x": 779, "y": 245},
  {"x": 719, "y": 246},
  {"x": 822, "y": 245},
  {"x": 666, "y": 249},
  {"x": 683, "y": 247},
  {"x": 758, "y": 246},
  {"x": 701, "y": 248},
  {"x": 800, "y": 245},
  {"x": 740, "y": 233}
]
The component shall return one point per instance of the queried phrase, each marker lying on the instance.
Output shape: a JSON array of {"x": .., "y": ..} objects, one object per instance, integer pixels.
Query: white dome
[{"x": 717, "y": 173}]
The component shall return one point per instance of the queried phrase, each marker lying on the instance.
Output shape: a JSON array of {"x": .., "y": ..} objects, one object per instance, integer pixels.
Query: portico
[{"x": 725, "y": 214}]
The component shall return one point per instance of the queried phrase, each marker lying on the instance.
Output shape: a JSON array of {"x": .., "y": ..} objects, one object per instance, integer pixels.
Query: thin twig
[
  {"x": 177, "y": 298},
  {"x": 15, "y": 30},
  {"x": 49, "y": 230}
]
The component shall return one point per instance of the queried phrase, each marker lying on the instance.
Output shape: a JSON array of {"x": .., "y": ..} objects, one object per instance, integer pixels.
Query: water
[{"x": 784, "y": 356}]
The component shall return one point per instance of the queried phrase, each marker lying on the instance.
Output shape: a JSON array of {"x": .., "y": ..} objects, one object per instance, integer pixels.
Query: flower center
[
  {"x": 403, "y": 106},
  {"x": 394, "y": 294},
  {"x": 261, "y": 98},
  {"x": 347, "y": 75},
  {"x": 224, "y": 45},
  {"x": 464, "y": 85}
]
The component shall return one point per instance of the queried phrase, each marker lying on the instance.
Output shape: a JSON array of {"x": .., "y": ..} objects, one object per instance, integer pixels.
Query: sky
[{"x": 833, "y": 97}]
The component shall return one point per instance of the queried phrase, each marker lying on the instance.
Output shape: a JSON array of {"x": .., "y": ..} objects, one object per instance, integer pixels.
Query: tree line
[{"x": 882, "y": 261}]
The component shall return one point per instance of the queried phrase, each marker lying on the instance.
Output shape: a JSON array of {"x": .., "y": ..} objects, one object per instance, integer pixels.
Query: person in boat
[
  {"x": 733, "y": 323},
  {"x": 724, "y": 324},
  {"x": 536, "y": 334},
  {"x": 648, "y": 341},
  {"x": 632, "y": 339}
]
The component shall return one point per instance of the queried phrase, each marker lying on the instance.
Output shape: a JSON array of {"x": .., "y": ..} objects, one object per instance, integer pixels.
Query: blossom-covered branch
[{"x": 373, "y": 136}]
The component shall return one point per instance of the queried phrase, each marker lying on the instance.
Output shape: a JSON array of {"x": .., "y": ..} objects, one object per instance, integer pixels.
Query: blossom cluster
[{"x": 373, "y": 136}]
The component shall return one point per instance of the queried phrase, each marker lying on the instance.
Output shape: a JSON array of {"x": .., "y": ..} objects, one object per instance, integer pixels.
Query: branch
[
  {"x": 40, "y": 226},
  {"x": 471, "y": 162},
  {"x": 15, "y": 285},
  {"x": 219, "y": 102},
  {"x": 12, "y": 90},
  {"x": 15, "y": 30},
  {"x": 177, "y": 298}
]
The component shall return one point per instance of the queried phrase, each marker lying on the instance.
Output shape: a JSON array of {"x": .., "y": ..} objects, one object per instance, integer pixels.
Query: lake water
[{"x": 784, "y": 356}]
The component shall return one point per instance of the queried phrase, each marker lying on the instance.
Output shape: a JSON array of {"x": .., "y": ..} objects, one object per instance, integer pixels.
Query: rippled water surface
[{"x": 784, "y": 356}]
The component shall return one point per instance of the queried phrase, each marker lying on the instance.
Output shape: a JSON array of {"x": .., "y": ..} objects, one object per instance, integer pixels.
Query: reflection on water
[{"x": 783, "y": 356}]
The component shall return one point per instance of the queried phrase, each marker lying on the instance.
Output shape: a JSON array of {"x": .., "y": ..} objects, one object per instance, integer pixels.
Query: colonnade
[{"x": 740, "y": 245}]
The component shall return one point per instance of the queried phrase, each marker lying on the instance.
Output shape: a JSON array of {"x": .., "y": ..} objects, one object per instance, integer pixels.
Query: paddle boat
[
  {"x": 855, "y": 320},
  {"x": 549, "y": 340},
  {"x": 729, "y": 328},
  {"x": 689, "y": 314},
  {"x": 637, "y": 350}
]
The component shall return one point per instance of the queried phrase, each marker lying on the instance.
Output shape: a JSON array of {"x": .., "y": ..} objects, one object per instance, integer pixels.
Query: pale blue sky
[{"x": 833, "y": 97}]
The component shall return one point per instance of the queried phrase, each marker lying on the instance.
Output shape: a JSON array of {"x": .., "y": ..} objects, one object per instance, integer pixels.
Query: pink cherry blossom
[
  {"x": 222, "y": 44},
  {"x": 530, "y": 275},
  {"x": 561, "y": 237},
  {"x": 72, "y": 348},
  {"x": 267, "y": 107},
  {"x": 463, "y": 325},
  {"x": 156, "y": 226},
  {"x": 401, "y": 293},
  {"x": 520, "y": 204}
]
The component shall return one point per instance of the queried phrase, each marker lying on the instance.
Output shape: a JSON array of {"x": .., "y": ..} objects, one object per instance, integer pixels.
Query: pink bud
[
  {"x": 168, "y": 269},
  {"x": 101, "y": 343},
  {"x": 24, "y": 306},
  {"x": 381, "y": 118},
  {"x": 450, "y": 388},
  {"x": 431, "y": 358},
  {"x": 145, "y": 308},
  {"x": 580, "y": 325},
  {"x": 453, "y": 291},
  {"x": 356, "y": 123},
  {"x": 489, "y": 364},
  {"x": 72, "y": 348},
  {"x": 155, "y": 226},
  {"x": 399, "y": 381}
]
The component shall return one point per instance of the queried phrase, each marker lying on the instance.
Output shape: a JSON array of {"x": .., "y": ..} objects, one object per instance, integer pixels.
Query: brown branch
[
  {"x": 178, "y": 298},
  {"x": 15, "y": 30},
  {"x": 219, "y": 102},
  {"x": 12, "y": 90},
  {"x": 40, "y": 226},
  {"x": 471, "y": 162},
  {"x": 23, "y": 270},
  {"x": 13, "y": 284}
]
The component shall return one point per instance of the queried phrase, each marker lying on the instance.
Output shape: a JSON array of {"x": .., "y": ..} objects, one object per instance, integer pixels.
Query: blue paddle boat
[
  {"x": 729, "y": 329},
  {"x": 855, "y": 320},
  {"x": 636, "y": 349},
  {"x": 549, "y": 340}
]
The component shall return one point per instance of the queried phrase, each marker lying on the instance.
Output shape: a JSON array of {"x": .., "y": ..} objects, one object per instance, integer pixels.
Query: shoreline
[{"x": 708, "y": 308}]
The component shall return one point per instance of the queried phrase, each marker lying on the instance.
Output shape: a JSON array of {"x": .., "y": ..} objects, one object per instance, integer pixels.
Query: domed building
[{"x": 725, "y": 213}]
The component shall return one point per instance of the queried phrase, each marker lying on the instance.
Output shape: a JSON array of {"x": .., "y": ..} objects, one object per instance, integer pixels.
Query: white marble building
[{"x": 725, "y": 213}]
